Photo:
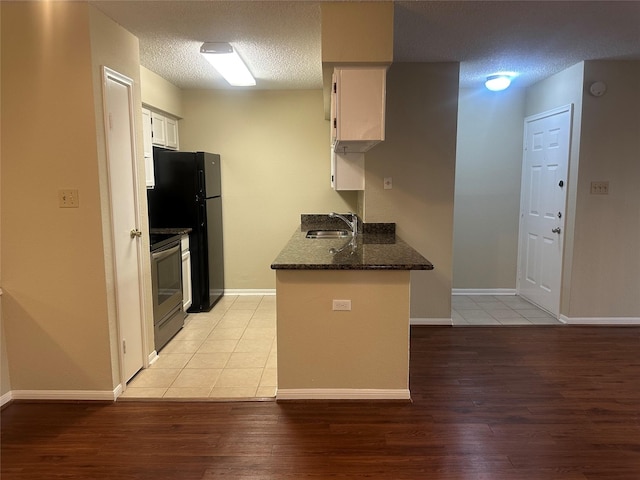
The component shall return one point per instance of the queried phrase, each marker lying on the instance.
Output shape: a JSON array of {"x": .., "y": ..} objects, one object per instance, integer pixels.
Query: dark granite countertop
[
  {"x": 174, "y": 231},
  {"x": 377, "y": 248}
]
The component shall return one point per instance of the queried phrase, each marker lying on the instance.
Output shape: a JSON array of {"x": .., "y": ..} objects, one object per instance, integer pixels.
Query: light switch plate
[
  {"x": 600, "y": 188},
  {"x": 68, "y": 198}
]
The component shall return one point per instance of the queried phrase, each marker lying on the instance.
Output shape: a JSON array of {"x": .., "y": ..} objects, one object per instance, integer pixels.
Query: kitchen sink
[{"x": 328, "y": 233}]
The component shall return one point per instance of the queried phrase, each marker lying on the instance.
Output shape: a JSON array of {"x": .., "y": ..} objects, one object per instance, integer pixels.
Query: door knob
[
  {"x": 556, "y": 230},
  {"x": 135, "y": 233}
]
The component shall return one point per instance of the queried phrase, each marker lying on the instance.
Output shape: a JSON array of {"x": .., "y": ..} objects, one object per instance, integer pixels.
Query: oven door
[{"x": 166, "y": 270}]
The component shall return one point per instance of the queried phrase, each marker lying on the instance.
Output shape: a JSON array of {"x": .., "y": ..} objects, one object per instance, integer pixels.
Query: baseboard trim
[
  {"x": 483, "y": 291},
  {"x": 153, "y": 357},
  {"x": 250, "y": 291},
  {"x": 431, "y": 321},
  {"x": 342, "y": 394},
  {"x": 103, "y": 395},
  {"x": 6, "y": 398},
  {"x": 604, "y": 321}
]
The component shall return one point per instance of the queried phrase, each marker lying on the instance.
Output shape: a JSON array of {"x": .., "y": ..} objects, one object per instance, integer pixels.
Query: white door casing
[
  {"x": 547, "y": 138},
  {"x": 126, "y": 236}
]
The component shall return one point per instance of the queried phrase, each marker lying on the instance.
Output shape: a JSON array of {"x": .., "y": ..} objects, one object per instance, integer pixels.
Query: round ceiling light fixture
[{"x": 498, "y": 82}]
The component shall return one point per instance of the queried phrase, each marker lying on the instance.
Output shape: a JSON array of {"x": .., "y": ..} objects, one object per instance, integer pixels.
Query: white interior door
[
  {"x": 547, "y": 139},
  {"x": 125, "y": 221}
]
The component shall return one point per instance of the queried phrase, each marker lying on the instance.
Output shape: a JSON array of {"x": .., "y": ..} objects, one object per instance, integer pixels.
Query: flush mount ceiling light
[
  {"x": 228, "y": 64},
  {"x": 497, "y": 82}
]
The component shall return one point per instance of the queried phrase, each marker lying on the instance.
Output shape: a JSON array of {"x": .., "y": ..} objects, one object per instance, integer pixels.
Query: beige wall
[
  {"x": 54, "y": 302},
  {"x": 5, "y": 378},
  {"x": 365, "y": 348},
  {"x": 606, "y": 251},
  {"x": 487, "y": 191},
  {"x": 274, "y": 148},
  {"x": 357, "y": 32},
  {"x": 159, "y": 93},
  {"x": 419, "y": 153}
]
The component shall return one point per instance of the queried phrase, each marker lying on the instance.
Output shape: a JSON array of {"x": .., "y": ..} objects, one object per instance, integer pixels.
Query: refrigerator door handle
[
  {"x": 201, "y": 189},
  {"x": 201, "y": 213}
]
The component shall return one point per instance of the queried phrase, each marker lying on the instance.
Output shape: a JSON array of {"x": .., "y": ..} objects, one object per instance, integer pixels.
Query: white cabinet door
[
  {"x": 158, "y": 129},
  {"x": 171, "y": 136},
  {"x": 347, "y": 171},
  {"x": 186, "y": 273},
  {"x": 148, "y": 148},
  {"x": 358, "y": 108}
]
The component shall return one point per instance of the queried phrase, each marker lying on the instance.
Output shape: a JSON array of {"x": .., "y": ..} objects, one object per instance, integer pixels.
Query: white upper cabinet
[
  {"x": 357, "y": 108},
  {"x": 148, "y": 148},
  {"x": 158, "y": 129},
  {"x": 347, "y": 171},
  {"x": 164, "y": 130},
  {"x": 171, "y": 125}
]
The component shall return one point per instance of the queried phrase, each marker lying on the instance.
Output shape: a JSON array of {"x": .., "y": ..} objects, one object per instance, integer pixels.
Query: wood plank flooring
[{"x": 505, "y": 403}]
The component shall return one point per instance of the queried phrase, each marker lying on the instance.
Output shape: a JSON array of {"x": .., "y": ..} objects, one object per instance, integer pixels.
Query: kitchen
[{"x": 70, "y": 327}]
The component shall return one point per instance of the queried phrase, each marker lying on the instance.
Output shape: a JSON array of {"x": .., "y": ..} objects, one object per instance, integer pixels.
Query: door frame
[
  {"x": 532, "y": 118},
  {"x": 107, "y": 75}
]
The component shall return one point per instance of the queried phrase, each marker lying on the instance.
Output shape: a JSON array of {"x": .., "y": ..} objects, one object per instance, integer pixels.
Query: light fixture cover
[
  {"x": 228, "y": 63},
  {"x": 497, "y": 82}
]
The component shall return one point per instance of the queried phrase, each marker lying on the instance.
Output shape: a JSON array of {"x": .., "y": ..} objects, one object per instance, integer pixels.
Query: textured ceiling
[{"x": 280, "y": 40}]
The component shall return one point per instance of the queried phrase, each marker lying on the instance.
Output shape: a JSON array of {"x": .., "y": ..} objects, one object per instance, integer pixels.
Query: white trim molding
[
  {"x": 250, "y": 291},
  {"x": 153, "y": 357},
  {"x": 431, "y": 321},
  {"x": 105, "y": 395},
  {"x": 483, "y": 291},
  {"x": 6, "y": 398},
  {"x": 604, "y": 321},
  {"x": 343, "y": 394}
]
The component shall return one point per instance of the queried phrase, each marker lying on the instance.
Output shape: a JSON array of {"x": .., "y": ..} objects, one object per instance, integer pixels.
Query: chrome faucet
[{"x": 353, "y": 224}]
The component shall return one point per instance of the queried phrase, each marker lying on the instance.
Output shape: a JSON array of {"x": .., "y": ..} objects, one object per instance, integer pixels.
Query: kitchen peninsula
[{"x": 343, "y": 313}]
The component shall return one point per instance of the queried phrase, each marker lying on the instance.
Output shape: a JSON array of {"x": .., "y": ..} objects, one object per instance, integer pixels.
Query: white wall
[
  {"x": 487, "y": 188},
  {"x": 274, "y": 148}
]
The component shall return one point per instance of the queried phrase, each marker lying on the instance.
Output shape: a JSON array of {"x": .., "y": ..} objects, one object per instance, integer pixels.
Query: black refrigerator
[{"x": 187, "y": 193}]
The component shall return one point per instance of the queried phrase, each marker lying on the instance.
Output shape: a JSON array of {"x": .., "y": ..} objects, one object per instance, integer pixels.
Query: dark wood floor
[{"x": 507, "y": 403}]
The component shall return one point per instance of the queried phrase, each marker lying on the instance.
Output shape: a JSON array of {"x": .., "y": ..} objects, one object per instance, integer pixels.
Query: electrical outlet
[
  {"x": 342, "y": 305},
  {"x": 388, "y": 183},
  {"x": 68, "y": 199},
  {"x": 600, "y": 188}
]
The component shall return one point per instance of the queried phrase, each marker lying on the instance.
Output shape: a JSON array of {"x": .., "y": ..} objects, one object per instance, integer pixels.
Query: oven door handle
[{"x": 161, "y": 255}]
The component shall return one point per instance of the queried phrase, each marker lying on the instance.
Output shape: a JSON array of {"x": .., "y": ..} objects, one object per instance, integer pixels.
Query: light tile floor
[
  {"x": 230, "y": 352},
  {"x": 473, "y": 310}
]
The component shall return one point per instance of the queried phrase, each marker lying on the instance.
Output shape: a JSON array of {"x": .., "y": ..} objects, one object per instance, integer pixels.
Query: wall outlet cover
[
  {"x": 343, "y": 305},
  {"x": 68, "y": 198}
]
